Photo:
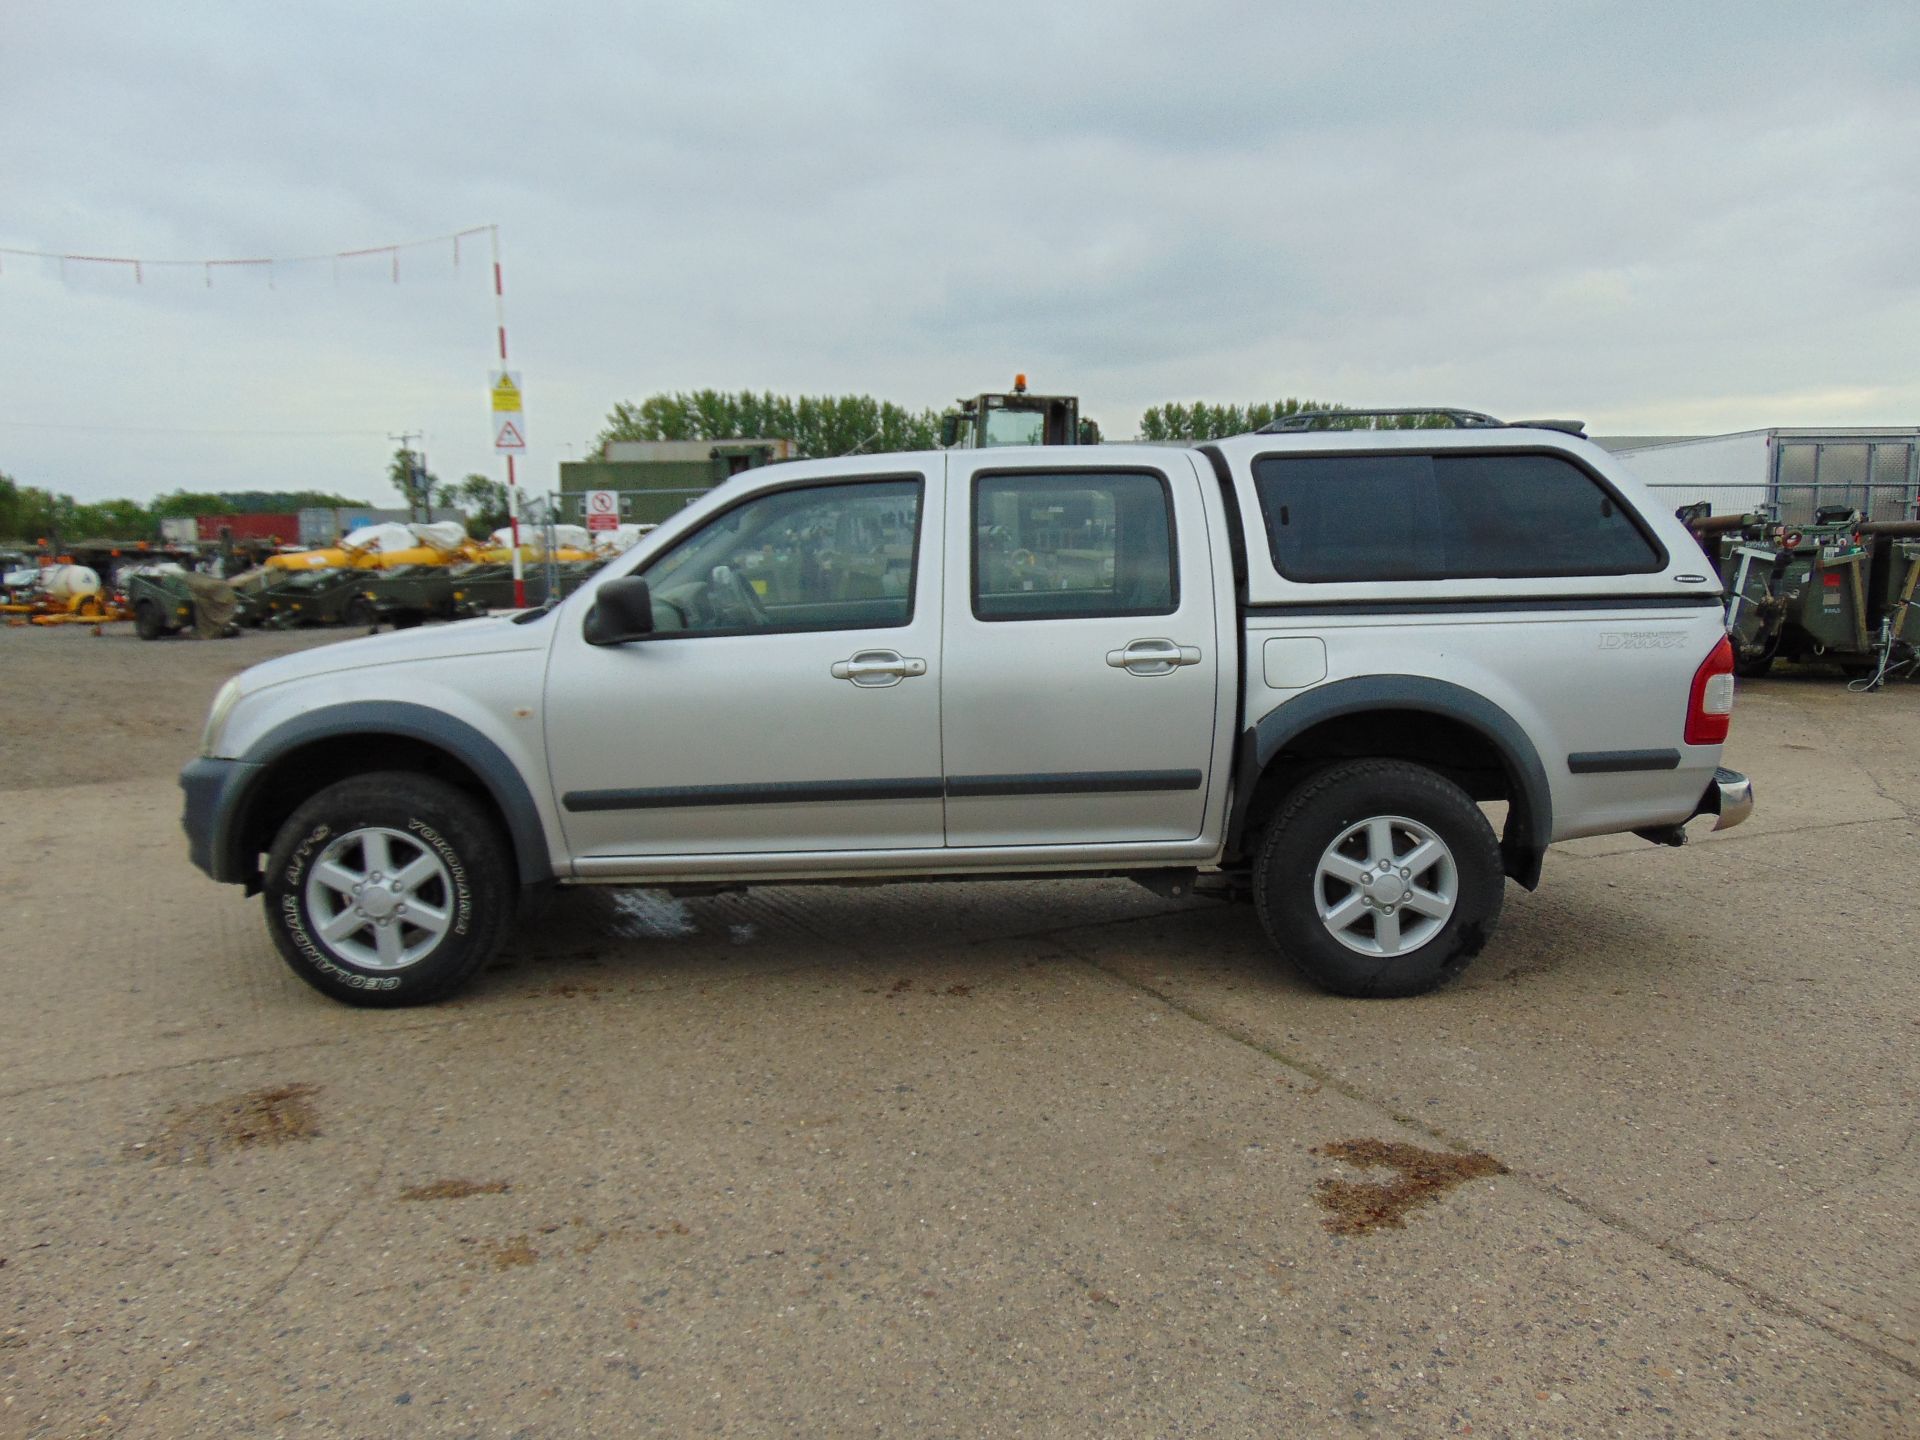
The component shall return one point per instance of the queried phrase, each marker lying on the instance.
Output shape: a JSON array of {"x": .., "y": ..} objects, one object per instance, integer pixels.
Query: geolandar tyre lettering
[
  {"x": 1379, "y": 878},
  {"x": 388, "y": 889}
]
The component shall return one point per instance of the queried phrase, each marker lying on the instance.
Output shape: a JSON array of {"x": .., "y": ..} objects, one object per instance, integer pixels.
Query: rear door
[{"x": 1080, "y": 660}]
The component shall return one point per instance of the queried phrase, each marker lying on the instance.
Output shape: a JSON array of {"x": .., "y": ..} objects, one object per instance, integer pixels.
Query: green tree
[
  {"x": 409, "y": 475},
  {"x": 179, "y": 504},
  {"x": 1201, "y": 421},
  {"x": 485, "y": 501},
  {"x": 818, "y": 425}
]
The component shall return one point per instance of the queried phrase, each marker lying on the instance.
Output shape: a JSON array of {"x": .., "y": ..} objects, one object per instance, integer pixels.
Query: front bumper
[
  {"x": 1730, "y": 796},
  {"x": 216, "y": 792}
]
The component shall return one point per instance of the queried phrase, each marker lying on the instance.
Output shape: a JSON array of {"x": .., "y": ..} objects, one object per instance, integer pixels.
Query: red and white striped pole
[{"x": 513, "y": 489}]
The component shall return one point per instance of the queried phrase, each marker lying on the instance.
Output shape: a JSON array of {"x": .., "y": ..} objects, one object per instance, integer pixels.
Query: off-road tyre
[
  {"x": 147, "y": 621},
  {"x": 1752, "y": 667},
  {"x": 1323, "y": 808},
  {"x": 359, "y": 614},
  {"x": 418, "y": 816}
]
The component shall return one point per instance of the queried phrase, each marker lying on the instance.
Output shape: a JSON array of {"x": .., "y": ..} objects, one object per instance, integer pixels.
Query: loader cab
[{"x": 1016, "y": 418}]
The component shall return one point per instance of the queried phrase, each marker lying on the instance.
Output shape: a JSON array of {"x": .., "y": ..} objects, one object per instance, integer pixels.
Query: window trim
[
  {"x": 916, "y": 478},
  {"x": 1068, "y": 473},
  {"x": 1662, "y": 560}
]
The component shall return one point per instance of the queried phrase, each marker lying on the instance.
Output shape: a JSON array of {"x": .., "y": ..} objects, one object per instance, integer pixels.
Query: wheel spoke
[
  {"x": 1422, "y": 857},
  {"x": 1379, "y": 839},
  {"x": 387, "y": 938},
  {"x": 417, "y": 873},
  {"x": 341, "y": 926},
  {"x": 430, "y": 918},
  {"x": 335, "y": 876},
  {"x": 1351, "y": 872},
  {"x": 1347, "y": 911},
  {"x": 373, "y": 844},
  {"x": 1428, "y": 903},
  {"x": 1386, "y": 930}
]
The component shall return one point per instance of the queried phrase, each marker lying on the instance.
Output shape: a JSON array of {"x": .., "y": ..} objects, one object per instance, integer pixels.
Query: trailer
[
  {"x": 166, "y": 599},
  {"x": 1838, "y": 589},
  {"x": 1794, "y": 473}
]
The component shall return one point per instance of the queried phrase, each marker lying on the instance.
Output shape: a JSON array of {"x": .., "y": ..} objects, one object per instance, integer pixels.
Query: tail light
[{"x": 1710, "y": 706}]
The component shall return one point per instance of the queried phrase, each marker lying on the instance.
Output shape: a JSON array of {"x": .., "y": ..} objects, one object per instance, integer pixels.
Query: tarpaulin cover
[{"x": 214, "y": 605}]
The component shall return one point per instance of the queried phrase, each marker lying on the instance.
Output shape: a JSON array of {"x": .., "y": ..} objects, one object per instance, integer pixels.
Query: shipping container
[{"x": 280, "y": 529}]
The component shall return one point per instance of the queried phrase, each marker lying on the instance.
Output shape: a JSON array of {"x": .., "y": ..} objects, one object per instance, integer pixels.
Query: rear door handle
[
  {"x": 871, "y": 668},
  {"x": 1153, "y": 657}
]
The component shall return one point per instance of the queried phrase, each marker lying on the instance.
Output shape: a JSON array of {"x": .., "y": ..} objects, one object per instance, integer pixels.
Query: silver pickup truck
[{"x": 1312, "y": 668}]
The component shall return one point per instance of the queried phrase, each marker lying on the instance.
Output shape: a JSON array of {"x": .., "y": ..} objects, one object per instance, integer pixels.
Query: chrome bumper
[{"x": 1730, "y": 796}]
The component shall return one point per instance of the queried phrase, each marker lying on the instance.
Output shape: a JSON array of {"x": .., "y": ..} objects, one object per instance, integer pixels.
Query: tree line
[
  {"x": 819, "y": 426},
  {"x": 29, "y": 513}
]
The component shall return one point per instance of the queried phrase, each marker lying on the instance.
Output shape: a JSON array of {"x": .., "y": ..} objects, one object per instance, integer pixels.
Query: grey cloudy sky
[{"x": 1660, "y": 216}]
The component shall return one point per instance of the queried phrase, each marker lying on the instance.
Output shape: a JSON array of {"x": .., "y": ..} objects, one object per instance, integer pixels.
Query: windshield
[{"x": 1016, "y": 427}]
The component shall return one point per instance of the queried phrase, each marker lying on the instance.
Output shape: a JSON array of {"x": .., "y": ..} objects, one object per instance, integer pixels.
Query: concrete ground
[{"x": 1017, "y": 1159}]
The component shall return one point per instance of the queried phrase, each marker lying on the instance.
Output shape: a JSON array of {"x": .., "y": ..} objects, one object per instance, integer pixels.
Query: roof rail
[
  {"x": 1325, "y": 419},
  {"x": 1303, "y": 420}
]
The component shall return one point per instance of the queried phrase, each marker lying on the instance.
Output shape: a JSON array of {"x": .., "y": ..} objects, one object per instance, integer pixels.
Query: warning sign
[
  {"x": 509, "y": 422},
  {"x": 603, "y": 510}
]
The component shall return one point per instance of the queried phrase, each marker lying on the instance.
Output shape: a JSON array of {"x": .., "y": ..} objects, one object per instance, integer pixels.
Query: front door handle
[
  {"x": 877, "y": 667},
  {"x": 1153, "y": 657}
]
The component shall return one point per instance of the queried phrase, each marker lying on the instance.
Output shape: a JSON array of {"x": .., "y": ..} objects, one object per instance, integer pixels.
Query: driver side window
[{"x": 820, "y": 557}]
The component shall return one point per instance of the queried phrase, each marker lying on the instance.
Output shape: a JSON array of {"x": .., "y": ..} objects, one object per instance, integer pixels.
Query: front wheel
[
  {"x": 389, "y": 889},
  {"x": 1379, "y": 878}
]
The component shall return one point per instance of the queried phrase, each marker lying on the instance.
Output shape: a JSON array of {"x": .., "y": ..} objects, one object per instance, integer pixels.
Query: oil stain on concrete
[
  {"x": 272, "y": 1115},
  {"x": 1361, "y": 1207}
]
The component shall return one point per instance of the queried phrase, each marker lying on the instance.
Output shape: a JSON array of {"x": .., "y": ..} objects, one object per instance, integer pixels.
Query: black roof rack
[{"x": 1303, "y": 420}]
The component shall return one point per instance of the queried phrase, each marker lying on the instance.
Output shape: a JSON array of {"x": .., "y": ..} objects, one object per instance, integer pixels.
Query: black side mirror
[{"x": 622, "y": 611}]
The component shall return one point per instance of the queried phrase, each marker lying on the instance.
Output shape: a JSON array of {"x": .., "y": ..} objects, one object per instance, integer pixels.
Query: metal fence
[{"x": 1795, "y": 504}]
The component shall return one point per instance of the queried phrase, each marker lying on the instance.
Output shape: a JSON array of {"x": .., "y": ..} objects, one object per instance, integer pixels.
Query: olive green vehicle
[
  {"x": 482, "y": 587},
  {"x": 1838, "y": 590},
  {"x": 313, "y": 597},
  {"x": 167, "y": 600},
  {"x": 409, "y": 595}
]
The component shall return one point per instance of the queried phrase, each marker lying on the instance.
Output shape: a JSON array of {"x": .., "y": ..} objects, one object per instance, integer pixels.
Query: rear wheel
[
  {"x": 359, "y": 612},
  {"x": 147, "y": 621},
  {"x": 1379, "y": 878},
  {"x": 389, "y": 889}
]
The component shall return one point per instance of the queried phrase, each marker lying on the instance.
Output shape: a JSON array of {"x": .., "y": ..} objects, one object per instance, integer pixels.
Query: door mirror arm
[{"x": 622, "y": 611}]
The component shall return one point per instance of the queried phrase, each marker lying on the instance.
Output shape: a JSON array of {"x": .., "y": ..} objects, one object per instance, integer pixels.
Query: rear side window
[
  {"x": 1444, "y": 517},
  {"x": 1082, "y": 543}
]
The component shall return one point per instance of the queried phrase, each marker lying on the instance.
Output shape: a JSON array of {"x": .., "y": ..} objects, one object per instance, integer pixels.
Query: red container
[{"x": 284, "y": 529}]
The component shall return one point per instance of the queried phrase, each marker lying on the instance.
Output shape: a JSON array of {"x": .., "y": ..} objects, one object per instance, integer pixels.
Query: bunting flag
[{"x": 384, "y": 260}]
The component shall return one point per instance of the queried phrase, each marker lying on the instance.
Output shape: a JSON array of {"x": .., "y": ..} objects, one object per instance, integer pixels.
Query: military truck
[{"x": 1016, "y": 418}]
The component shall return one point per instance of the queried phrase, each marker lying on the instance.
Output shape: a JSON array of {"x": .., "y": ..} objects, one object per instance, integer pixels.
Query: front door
[
  {"x": 1081, "y": 655},
  {"x": 789, "y": 700}
]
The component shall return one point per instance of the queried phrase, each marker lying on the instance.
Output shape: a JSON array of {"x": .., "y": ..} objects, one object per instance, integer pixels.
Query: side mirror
[
  {"x": 949, "y": 431},
  {"x": 622, "y": 611}
]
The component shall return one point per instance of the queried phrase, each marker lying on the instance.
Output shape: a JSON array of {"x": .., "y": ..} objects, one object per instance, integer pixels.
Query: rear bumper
[
  {"x": 1730, "y": 796},
  {"x": 215, "y": 791}
]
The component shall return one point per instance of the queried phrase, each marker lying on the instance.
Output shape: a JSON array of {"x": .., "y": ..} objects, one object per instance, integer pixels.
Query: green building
[{"x": 654, "y": 478}]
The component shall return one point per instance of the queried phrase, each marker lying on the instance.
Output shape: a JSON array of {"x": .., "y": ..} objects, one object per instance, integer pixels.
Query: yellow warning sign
[{"x": 506, "y": 392}]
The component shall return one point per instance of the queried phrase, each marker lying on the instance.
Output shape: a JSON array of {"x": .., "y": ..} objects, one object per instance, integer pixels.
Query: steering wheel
[{"x": 736, "y": 594}]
